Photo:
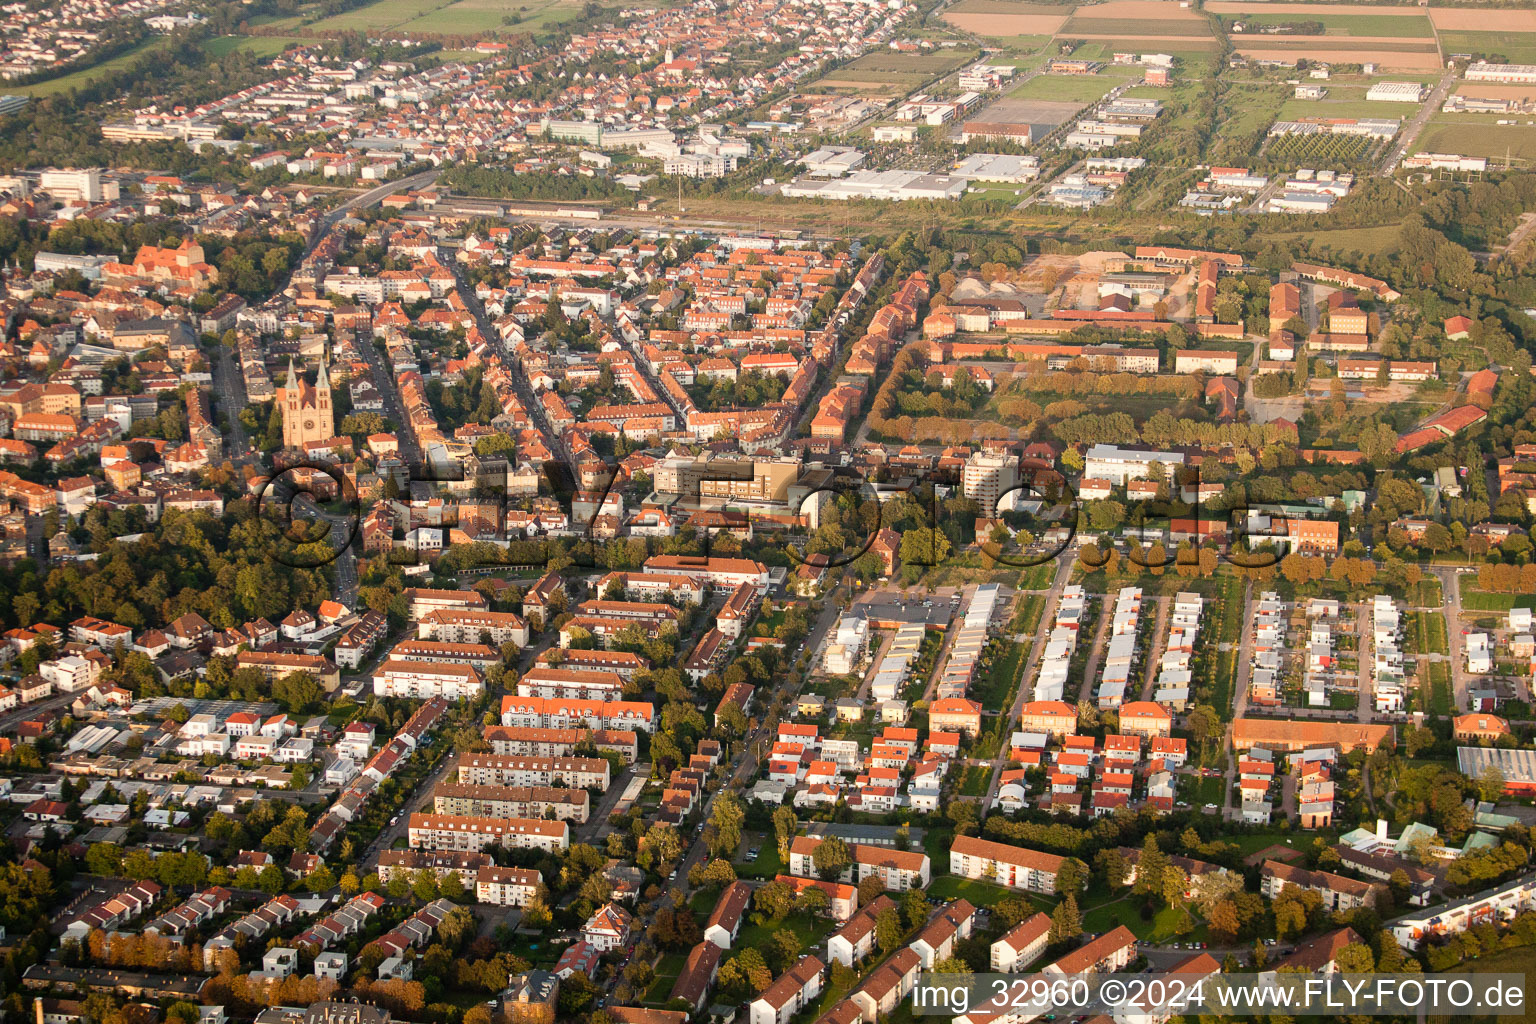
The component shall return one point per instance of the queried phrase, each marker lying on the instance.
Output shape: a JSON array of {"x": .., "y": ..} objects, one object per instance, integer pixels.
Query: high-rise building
[{"x": 987, "y": 477}]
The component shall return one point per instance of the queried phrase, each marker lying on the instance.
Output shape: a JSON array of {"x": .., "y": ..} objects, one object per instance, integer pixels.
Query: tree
[
  {"x": 1066, "y": 922},
  {"x": 784, "y": 948},
  {"x": 952, "y": 965},
  {"x": 1223, "y": 921},
  {"x": 1071, "y": 877},
  {"x": 785, "y": 825},
  {"x": 1205, "y": 724},
  {"x": 1111, "y": 867},
  {"x": 870, "y": 889},
  {"x": 1490, "y": 783},
  {"x": 1149, "y": 867},
  {"x": 271, "y": 880},
  {"x": 831, "y": 857},
  {"x": 888, "y": 931},
  {"x": 1436, "y": 538},
  {"x": 914, "y": 908},
  {"x": 813, "y": 900},
  {"x": 775, "y": 899}
]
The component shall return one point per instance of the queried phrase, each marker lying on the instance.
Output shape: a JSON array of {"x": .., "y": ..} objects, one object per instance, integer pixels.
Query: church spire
[
  {"x": 323, "y": 381},
  {"x": 293, "y": 380}
]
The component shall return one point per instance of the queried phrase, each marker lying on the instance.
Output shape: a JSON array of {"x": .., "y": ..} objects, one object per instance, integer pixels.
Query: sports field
[
  {"x": 1065, "y": 88},
  {"x": 884, "y": 72}
]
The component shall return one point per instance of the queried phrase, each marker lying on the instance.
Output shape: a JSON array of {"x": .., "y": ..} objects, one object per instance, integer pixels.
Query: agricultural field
[
  {"x": 1466, "y": 19},
  {"x": 1516, "y": 47},
  {"x": 1079, "y": 27},
  {"x": 1314, "y": 12},
  {"x": 1329, "y": 106},
  {"x": 447, "y": 17},
  {"x": 1477, "y": 135},
  {"x": 1400, "y": 55},
  {"x": 1000, "y": 19},
  {"x": 1362, "y": 26},
  {"x": 380, "y": 15},
  {"x": 1189, "y": 48},
  {"x": 1496, "y": 91},
  {"x": 83, "y": 77}
]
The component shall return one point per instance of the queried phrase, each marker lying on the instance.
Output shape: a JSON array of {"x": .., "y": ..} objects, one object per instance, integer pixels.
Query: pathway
[
  {"x": 1025, "y": 693},
  {"x": 1159, "y": 644},
  {"x": 1240, "y": 683},
  {"x": 1096, "y": 653}
]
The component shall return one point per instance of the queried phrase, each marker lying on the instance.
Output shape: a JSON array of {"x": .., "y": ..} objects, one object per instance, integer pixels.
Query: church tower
[{"x": 307, "y": 414}]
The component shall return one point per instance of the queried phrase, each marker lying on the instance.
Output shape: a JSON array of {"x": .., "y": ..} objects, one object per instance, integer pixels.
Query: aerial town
[{"x": 720, "y": 511}]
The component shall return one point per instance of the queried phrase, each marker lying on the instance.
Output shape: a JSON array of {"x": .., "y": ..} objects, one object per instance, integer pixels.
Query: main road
[{"x": 1414, "y": 125}]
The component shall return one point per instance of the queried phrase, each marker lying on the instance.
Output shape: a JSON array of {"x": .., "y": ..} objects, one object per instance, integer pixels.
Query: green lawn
[
  {"x": 975, "y": 780},
  {"x": 1199, "y": 790},
  {"x": 768, "y": 863},
  {"x": 808, "y": 929},
  {"x": 982, "y": 894},
  {"x": 1483, "y": 601},
  {"x": 1431, "y": 633},
  {"x": 1166, "y": 924},
  {"x": 1001, "y": 679},
  {"x": 1037, "y": 577},
  {"x": 1521, "y": 960},
  {"x": 1294, "y": 109},
  {"x": 1441, "y": 698},
  {"x": 261, "y": 46}
]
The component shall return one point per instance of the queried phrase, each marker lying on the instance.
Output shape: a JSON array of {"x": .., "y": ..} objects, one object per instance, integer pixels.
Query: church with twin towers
[{"x": 307, "y": 415}]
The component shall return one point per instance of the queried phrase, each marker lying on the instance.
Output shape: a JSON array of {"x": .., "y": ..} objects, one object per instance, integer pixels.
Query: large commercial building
[
  {"x": 1288, "y": 735},
  {"x": 1517, "y": 766},
  {"x": 1517, "y": 74}
]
